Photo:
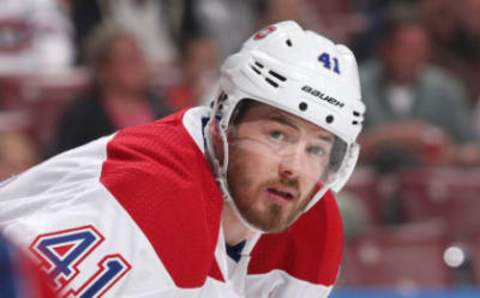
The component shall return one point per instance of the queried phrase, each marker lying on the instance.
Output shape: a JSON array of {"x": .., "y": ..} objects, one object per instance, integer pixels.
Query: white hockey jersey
[{"x": 137, "y": 214}]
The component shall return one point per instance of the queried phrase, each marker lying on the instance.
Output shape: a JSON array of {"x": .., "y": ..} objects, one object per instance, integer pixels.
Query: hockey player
[{"x": 229, "y": 201}]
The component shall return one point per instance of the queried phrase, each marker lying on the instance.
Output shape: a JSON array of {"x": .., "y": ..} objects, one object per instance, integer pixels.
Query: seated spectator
[
  {"x": 336, "y": 18},
  {"x": 455, "y": 30},
  {"x": 277, "y": 10},
  {"x": 121, "y": 94},
  {"x": 147, "y": 19},
  {"x": 228, "y": 22},
  {"x": 413, "y": 108},
  {"x": 199, "y": 63},
  {"x": 17, "y": 153},
  {"x": 34, "y": 36}
]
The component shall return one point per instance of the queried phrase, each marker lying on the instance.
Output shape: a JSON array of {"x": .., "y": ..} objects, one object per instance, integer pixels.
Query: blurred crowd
[{"x": 74, "y": 70}]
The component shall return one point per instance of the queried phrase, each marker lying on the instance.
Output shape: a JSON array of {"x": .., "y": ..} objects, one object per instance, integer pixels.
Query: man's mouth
[{"x": 284, "y": 194}]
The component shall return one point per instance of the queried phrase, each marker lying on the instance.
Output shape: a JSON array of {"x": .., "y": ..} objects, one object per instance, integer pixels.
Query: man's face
[
  {"x": 126, "y": 68},
  {"x": 276, "y": 160},
  {"x": 406, "y": 53}
]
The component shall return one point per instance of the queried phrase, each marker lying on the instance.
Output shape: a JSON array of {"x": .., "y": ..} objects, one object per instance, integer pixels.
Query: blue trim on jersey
[
  {"x": 62, "y": 266},
  {"x": 114, "y": 267}
]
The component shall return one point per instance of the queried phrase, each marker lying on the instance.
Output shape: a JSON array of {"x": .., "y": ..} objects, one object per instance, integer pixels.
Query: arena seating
[
  {"x": 42, "y": 97},
  {"x": 363, "y": 184},
  {"x": 447, "y": 194},
  {"x": 407, "y": 256}
]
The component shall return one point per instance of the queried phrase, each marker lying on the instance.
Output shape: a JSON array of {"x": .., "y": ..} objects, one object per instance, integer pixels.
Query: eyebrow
[{"x": 283, "y": 119}]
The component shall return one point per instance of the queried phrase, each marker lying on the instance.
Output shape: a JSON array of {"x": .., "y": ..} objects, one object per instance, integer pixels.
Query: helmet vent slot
[
  {"x": 271, "y": 77},
  {"x": 255, "y": 69},
  {"x": 289, "y": 42},
  {"x": 258, "y": 64},
  {"x": 358, "y": 117},
  {"x": 271, "y": 82},
  {"x": 280, "y": 77}
]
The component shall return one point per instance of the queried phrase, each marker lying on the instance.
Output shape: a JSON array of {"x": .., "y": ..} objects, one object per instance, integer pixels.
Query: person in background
[
  {"x": 335, "y": 18},
  {"x": 455, "y": 31},
  {"x": 199, "y": 65},
  {"x": 18, "y": 152},
  {"x": 416, "y": 111},
  {"x": 35, "y": 36},
  {"x": 149, "y": 20},
  {"x": 228, "y": 22},
  {"x": 121, "y": 94},
  {"x": 276, "y": 10}
]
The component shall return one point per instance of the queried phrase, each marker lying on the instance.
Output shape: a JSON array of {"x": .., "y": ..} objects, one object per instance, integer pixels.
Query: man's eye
[
  {"x": 277, "y": 135},
  {"x": 316, "y": 150}
]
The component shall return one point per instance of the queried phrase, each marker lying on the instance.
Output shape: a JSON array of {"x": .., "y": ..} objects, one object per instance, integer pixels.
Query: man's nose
[{"x": 291, "y": 165}]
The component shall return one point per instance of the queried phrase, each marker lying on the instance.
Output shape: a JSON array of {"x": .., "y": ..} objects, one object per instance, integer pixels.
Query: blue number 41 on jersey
[{"x": 60, "y": 253}]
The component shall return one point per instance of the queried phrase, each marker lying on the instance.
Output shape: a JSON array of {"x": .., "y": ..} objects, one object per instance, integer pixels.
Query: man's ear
[{"x": 217, "y": 142}]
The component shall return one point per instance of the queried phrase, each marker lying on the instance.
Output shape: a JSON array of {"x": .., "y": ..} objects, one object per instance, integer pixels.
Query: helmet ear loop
[
  {"x": 215, "y": 151},
  {"x": 222, "y": 130},
  {"x": 218, "y": 135},
  {"x": 215, "y": 137}
]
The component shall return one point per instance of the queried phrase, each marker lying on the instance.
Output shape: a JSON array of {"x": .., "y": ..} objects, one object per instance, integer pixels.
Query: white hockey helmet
[{"x": 302, "y": 73}]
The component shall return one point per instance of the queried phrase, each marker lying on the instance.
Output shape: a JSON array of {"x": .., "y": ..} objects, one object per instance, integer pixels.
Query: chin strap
[{"x": 221, "y": 172}]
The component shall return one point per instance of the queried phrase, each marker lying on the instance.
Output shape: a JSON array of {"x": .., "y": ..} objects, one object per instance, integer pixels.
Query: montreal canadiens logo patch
[
  {"x": 264, "y": 32},
  {"x": 61, "y": 253}
]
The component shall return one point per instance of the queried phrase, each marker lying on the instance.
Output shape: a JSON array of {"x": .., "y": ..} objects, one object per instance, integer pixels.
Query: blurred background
[{"x": 75, "y": 70}]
